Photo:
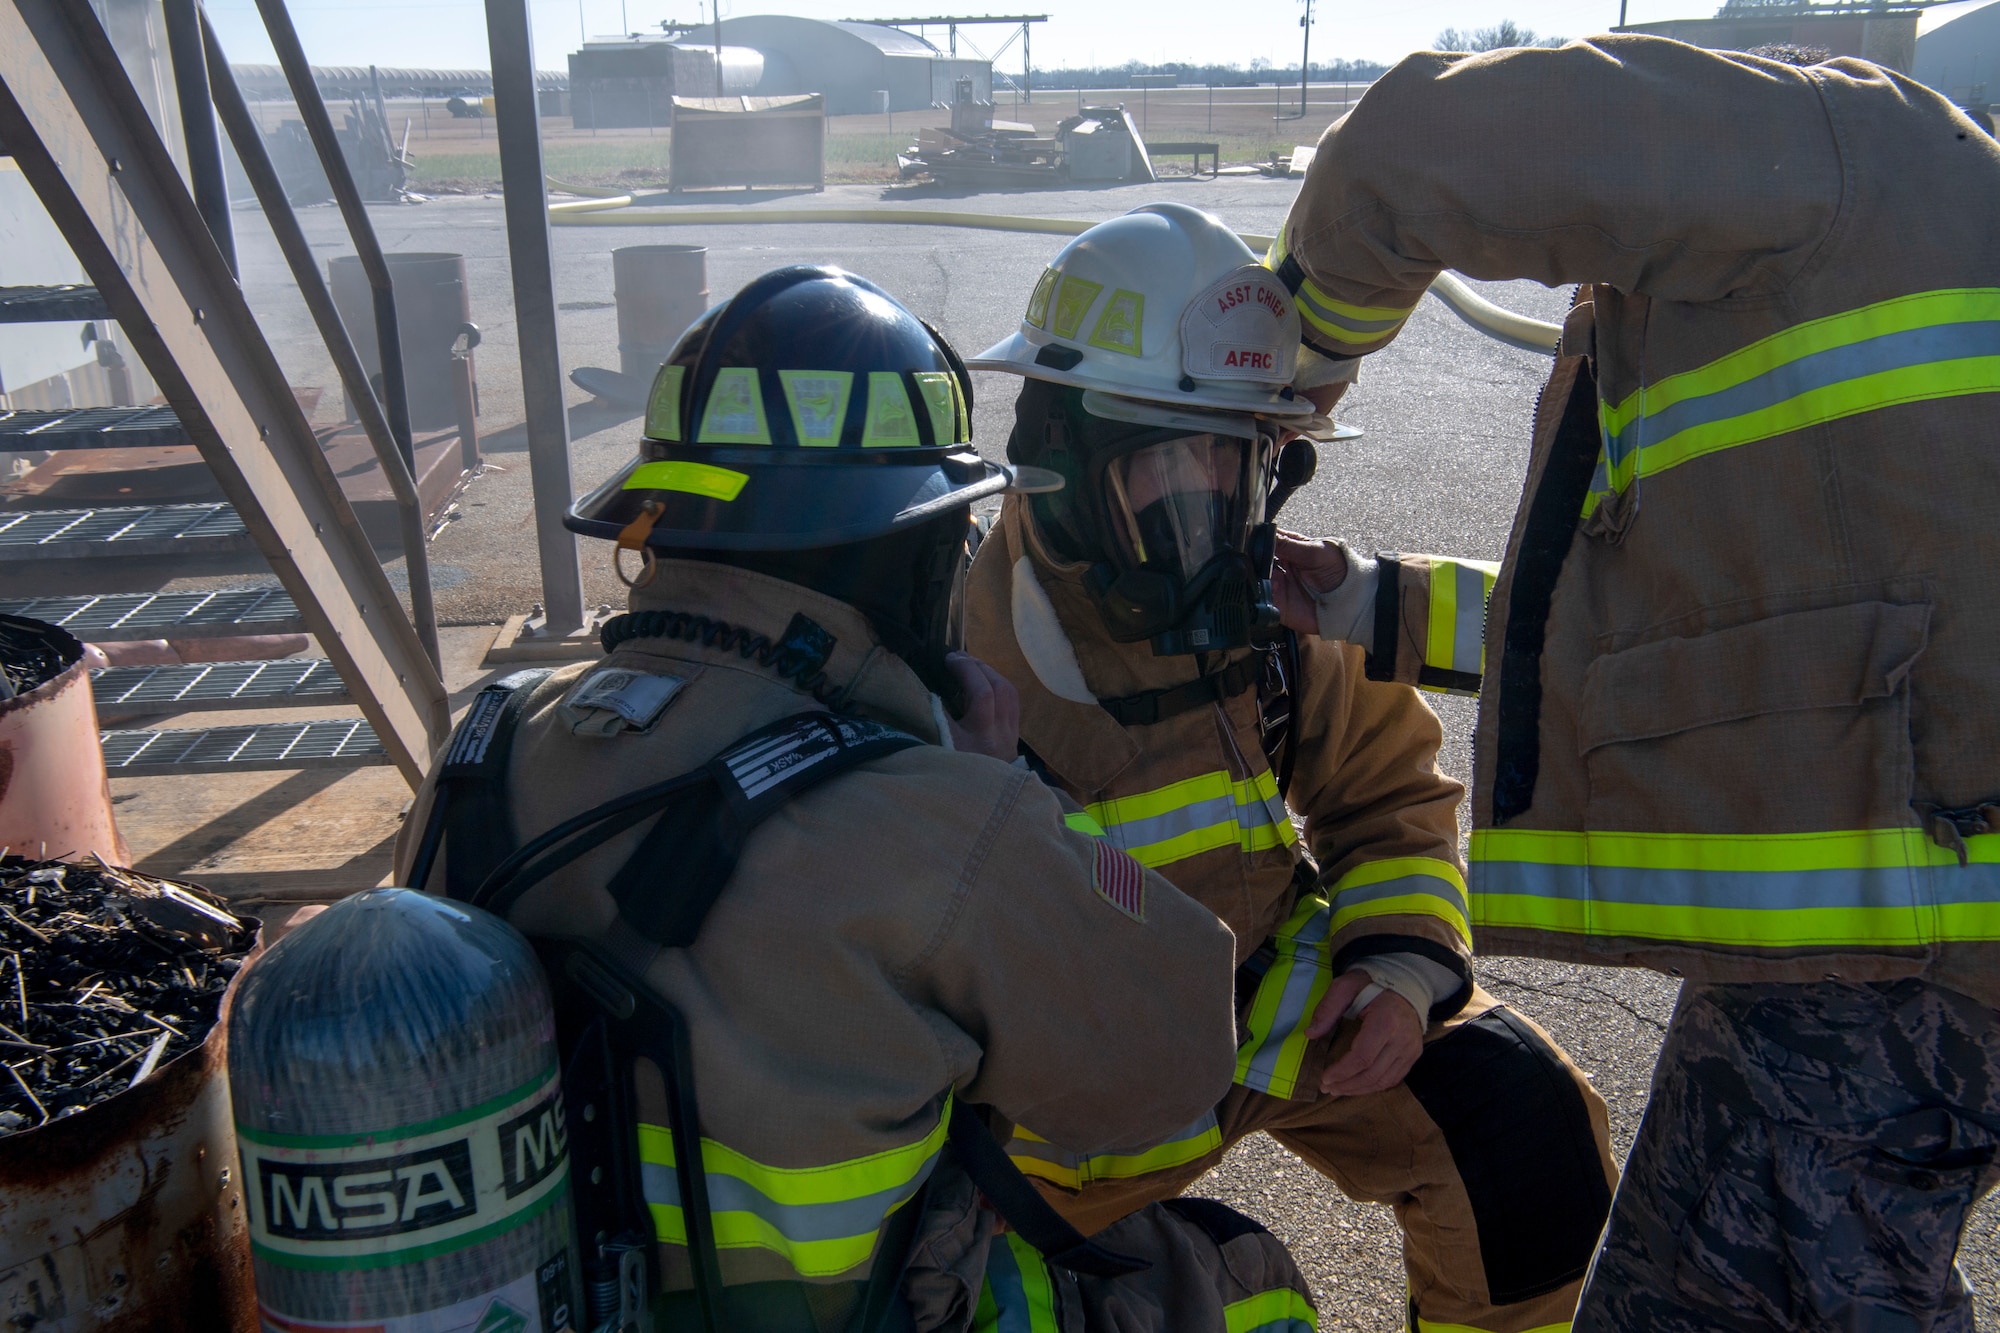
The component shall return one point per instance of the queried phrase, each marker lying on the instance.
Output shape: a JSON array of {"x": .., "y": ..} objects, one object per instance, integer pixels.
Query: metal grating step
[
  {"x": 294, "y": 682},
  {"x": 51, "y": 305},
  {"x": 122, "y": 531},
  {"x": 92, "y": 428},
  {"x": 336, "y": 743},
  {"x": 222, "y": 613}
]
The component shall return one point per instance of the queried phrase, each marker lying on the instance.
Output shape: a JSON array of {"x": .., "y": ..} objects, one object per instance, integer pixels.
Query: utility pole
[{"x": 1305, "y": 56}]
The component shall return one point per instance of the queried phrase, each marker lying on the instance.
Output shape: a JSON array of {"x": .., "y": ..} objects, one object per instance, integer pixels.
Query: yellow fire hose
[{"x": 615, "y": 210}]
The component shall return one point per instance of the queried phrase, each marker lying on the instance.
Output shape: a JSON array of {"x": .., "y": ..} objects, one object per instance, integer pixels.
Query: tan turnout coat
[{"x": 1744, "y": 646}]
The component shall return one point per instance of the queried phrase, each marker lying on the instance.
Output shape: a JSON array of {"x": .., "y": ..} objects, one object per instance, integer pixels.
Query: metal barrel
[
  {"x": 660, "y": 290},
  {"x": 405, "y": 1158},
  {"x": 432, "y": 305},
  {"x": 54, "y": 799},
  {"x": 128, "y": 1217}
]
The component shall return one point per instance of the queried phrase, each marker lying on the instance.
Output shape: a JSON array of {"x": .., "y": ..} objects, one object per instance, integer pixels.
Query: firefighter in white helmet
[{"x": 1132, "y": 610}]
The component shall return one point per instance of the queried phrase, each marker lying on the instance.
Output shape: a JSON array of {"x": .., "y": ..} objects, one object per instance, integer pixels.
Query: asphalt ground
[{"x": 1445, "y": 411}]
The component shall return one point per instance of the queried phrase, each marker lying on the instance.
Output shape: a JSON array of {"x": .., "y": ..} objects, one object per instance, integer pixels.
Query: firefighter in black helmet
[{"x": 867, "y": 955}]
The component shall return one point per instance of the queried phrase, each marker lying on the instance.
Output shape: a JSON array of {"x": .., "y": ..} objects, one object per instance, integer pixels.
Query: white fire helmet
[{"x": 1163, "y": 308}]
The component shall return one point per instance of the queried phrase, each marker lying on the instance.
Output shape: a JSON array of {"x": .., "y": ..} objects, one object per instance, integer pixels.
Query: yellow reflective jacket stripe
[
  {"x": 1929, "y": 345},
  {"x": 1357, "y": 328},
  {"x": 1036, "y": 1156},
  {"x": 1195, "y": 815},
  {"x": 1401, "y": 885},
  {"x": 1280, "y": 1310},
  {"x": 1867, "y": 887},
  {"x": 822, "y": 1220},
  {"x": 1455, "y": 639},
  {"x": 1017, "y": 1296},
  {"x": 1270, "y": 1058},
  {"x": 1079, "y": 822}
]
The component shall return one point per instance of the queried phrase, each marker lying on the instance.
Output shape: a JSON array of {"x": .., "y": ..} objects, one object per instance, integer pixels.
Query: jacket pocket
[{"x": 1793, "y": 723}]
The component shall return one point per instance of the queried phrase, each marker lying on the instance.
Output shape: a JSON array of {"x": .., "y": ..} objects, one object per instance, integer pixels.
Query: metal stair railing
[{"x": 78, "y": 132}]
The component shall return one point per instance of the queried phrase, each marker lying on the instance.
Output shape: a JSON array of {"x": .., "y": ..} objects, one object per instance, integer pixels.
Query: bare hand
[
  {"x": 1305, "y": 566},
  {"x": 991, "y": 721},
  {"x": 1390, "y": 1038}
]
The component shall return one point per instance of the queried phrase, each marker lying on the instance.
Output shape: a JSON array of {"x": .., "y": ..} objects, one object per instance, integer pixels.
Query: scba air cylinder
[{"x": 400, "y": 1123}]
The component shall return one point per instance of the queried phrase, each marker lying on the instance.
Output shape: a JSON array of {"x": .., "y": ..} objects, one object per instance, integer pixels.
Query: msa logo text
[
  {"x": 356, "y": 1200},
  {"x": 533, "y": 1144}
]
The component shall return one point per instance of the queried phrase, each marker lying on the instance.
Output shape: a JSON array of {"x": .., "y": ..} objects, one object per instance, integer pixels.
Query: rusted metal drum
[
  {"x": 660, "y": 290},
  {"x": 128, "y": 1217},
  {"x": 54, "y": 798},
  {"x": 432, "y": 306}
]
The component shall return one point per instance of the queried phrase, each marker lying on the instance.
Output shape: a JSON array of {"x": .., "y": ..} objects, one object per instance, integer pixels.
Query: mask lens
[{"x": 1177, "y": 504}]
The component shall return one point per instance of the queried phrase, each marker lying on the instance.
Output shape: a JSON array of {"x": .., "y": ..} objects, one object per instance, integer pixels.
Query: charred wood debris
[{"x": 105, "y": 975}]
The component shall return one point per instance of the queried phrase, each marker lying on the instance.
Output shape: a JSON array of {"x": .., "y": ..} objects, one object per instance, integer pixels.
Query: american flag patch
[{"x": 1120, "y": 881}]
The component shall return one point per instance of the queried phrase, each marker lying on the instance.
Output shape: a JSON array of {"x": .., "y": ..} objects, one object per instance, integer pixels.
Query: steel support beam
[
  {"x": 79, "y": 134},
  {"x": 511, "y": 42},
  {"x": 204, "y": 151}
]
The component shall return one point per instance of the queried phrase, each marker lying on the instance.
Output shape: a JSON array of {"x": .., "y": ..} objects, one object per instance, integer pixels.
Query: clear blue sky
[{"x": 452, "y": 33}]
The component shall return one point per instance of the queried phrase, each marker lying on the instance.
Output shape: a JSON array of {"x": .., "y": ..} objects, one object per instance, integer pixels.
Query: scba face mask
[{"x": 1185, "y": 549}]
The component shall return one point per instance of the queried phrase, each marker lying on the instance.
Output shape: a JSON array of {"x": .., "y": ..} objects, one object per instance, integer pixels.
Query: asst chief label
[{"x": 356, "y": 1201}]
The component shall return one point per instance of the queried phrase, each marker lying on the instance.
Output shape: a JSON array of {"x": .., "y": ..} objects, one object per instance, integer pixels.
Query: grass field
[{"x": 455, "y": 156}]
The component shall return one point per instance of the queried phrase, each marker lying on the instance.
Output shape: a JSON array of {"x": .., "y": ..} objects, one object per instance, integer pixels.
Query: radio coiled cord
[{"x": 799, "y": 657}]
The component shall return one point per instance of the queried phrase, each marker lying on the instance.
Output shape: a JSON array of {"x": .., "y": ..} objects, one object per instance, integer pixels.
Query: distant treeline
[{"x": 1222, "y": 76}]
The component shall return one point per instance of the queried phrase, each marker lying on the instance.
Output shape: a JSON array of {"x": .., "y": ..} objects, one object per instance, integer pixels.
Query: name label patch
[{"x": 1243, "y": 327}]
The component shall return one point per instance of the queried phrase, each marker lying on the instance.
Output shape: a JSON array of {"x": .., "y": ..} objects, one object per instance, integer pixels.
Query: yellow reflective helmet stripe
[
  {"x": 1195, "y": 815},
  {"x": 817, "y": 400},
  {"x": 1929, "y": 345},
  {"x": 1018, "y": 1294},
  {"x": 1074, "y": 297},
  {"x": 674, "y": 474},
  {"x": 1038, "y": 300},
  {"x": 1270, "y": 1058},
  {"x": 1280, "y": 1310},
  {"x": 890, "y": 423},
  {"x": 937, "y": 387},
  {"x": 735, "y": 411},
  {"x": 822, "y": 1220},
  {"x": 1036, "y": 1156},
  {"x": 1455, "y": 639},
  {"x": 1119, "y": 327},
  {"x": 663, "y": 404},
  {"x": 1870, "y": 887}
]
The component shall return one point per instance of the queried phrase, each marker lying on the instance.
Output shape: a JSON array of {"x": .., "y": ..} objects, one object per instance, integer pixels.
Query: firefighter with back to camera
[
  {"x": 1132, "y": 610},
  {"x": 799, "y": 914}
]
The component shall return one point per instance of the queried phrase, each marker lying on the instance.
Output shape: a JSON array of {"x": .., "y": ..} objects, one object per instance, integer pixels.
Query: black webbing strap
[
  {"x": 1380, "y": 663},
  {"x": 1150, "y": 706},
  {"x": 1017, "y": 1200},
  {"x": 672, "y": 879},
  {"x": 469, "y": 802}
]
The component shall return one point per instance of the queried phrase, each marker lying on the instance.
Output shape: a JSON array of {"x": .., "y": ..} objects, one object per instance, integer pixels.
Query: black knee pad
[
  {"x": 1218, "y": 1221},
  {"x": 1519, "y": 1132}
]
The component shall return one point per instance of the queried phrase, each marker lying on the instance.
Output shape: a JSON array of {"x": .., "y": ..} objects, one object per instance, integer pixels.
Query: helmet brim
[
  {"x": 1015, "y": 355},
  {"x": 786, "y": 506}
]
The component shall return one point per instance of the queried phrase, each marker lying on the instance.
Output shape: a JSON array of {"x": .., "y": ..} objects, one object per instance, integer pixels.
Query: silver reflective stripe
[
  {"x": 797, "y": 1222},
  {"x": 1435, "y": 886},
  {"x": 1762, "y": 890},
  {"x": 1301, "y": 970},
  {"x": 1835, "y": 365},
  {"x": 1468, "y": 639},
  {"x": 1206, "y": 813}
]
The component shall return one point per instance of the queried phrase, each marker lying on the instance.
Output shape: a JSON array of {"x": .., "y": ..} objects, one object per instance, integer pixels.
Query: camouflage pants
[{"x": 1806, "y": 1163}]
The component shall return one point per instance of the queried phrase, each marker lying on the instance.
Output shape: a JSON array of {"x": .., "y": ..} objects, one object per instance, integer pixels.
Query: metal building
[
  {"x": 1958, "y": 51},
  {"x": 631, "y": 82},
  {"x": 853, "y": 64}
]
